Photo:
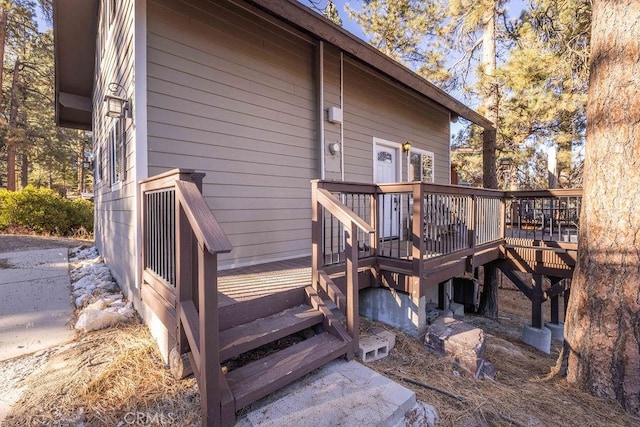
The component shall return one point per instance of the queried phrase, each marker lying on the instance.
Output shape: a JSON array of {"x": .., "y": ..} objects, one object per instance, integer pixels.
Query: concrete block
[
  {"x": 372, "y": 348},
  {"x": 338, "y": 394},
  {"x": 385, "y": 335},
  {"x": 538, "y": 338},
  {"x": 557, "y": 330},
  {"x": 395, "y": 309},
  {"x": 458, "y": 340}
]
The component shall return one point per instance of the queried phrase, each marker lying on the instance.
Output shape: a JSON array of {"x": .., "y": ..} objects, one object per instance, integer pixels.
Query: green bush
[
  {"x": 42, "y": 210},
  {"x": 80, "y": 212}
]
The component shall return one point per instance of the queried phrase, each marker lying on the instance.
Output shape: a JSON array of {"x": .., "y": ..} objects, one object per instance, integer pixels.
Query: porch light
[
  {"x": 406, "y": 146},
  {"x": 117, "y": 106},
  {"x": 87, "y": 163}
]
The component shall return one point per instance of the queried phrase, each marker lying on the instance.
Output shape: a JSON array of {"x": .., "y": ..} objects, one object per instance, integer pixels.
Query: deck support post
[
  {"x": 555, "y": 310},
  {"x": 418, "y": 248},
  {"x": 209, "y": 339},
  {"x": 353, "y": 326},
  {"x": 537, "y": 298},
  {"x": 184, "y": 271},
  {"x": 316, "y": 235}
]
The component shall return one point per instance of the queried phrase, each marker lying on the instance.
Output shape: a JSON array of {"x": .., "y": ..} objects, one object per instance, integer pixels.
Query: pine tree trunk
[
  {"x": 13, "y": 121},
  {"x": 3, "y": 39},
  {"x": 81, "y": 171},
  {"x": 489, "y": 298},
  {"x": 603, "y": 318},
  {"x": 24, "y": 170}
]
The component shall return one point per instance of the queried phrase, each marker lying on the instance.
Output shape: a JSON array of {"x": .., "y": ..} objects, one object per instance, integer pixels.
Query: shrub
[
  {"x": 80, "y": 212},
  {"x": 43, "y": 211}
]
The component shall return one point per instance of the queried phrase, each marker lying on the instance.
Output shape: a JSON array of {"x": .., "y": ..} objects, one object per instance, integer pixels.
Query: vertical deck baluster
[{"x": 154, "y": 225}]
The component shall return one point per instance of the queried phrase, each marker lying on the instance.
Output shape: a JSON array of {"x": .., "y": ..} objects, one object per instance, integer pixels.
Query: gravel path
[{"x": 14, "y": 371}]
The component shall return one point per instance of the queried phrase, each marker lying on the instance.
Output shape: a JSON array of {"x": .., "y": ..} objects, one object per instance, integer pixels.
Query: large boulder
[{"x": 464, "y": 343}]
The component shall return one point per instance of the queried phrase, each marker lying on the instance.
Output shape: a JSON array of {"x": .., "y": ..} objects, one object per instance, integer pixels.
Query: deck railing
[
  {"x": 447, "y": 219},
  {"x": 181, "y": 242},
  {"x": 325, "y": 206},
  {"x": 548, "y": 215}
]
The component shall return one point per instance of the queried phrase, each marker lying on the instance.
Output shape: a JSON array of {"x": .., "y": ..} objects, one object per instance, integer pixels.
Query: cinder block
[
  {"x": 385, "y": 335},
  {"x": 372, "y": 348}
]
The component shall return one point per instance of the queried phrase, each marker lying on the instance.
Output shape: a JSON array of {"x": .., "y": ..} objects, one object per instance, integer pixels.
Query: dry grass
[
  {"x": 107, "y": 376},
  {"x": 518, "y": 396}
]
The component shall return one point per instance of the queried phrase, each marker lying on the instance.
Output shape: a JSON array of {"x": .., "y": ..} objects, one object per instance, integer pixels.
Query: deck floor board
[{"x": 258, "y": 280}]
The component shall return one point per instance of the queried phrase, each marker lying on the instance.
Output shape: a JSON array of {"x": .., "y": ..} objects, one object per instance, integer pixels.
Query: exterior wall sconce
[
  {"x": 117, "y": 106},
  {"x": 334, "y": 148},
  {"x": 88, "y": 163},
  {"x": 406, "y": 147},
  {"x": 454, "y": 118}
]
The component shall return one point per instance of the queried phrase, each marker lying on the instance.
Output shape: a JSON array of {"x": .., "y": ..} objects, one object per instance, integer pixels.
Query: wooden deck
[{"x": 244, "y": 283}]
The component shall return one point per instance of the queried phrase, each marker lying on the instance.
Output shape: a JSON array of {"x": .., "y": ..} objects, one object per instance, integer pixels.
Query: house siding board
[
  {"x": 376, "y": 108},
  {"x": 331, "y": 99},
  {"x": 115, "y": 209},
  {"x": 232, "y": 96}
]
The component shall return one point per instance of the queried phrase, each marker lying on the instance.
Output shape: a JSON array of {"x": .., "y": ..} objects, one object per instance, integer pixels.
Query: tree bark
[
  {"x": 3, "y": 39},
  {"x": 13, "y": 121},
  {"x": 603, "y": 317},
  {"x": 24, "y": 170},
  {"x": 489, "y": 298},
  {"x": 80, "y": 163}
]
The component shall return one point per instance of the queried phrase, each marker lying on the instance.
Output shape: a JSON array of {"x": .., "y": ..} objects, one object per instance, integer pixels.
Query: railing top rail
[
  {"x": 401, "y": 187},
  {"x": 456, "y": 190},
  {"x": 404, "y": 187},
  {"x": 341, "y": 211},
  {"x": 168, "y": 174},
  {"x": 205, "y": 226},
  {"x": 556, "y": 192},
  {"x": 346, "y": 186}
]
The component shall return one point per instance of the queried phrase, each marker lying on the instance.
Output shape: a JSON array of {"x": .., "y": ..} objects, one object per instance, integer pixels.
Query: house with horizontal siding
[{"x": 261, "y": 96}]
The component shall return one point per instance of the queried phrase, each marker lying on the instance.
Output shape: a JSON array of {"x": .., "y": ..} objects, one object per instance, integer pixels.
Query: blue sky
[{"x": 513, "y": 7}]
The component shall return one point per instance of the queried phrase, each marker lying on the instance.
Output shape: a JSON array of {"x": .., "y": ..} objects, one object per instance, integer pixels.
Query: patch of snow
[{"x": 95, "y": 292}]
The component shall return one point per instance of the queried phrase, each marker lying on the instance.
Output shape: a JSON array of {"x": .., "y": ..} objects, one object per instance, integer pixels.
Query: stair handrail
[
  {"x": 352, "y": 222},
  {"x": 197, "y": 297}
]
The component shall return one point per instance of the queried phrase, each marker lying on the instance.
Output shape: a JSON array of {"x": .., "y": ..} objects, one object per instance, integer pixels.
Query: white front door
[{"x": 387, "y": 169}]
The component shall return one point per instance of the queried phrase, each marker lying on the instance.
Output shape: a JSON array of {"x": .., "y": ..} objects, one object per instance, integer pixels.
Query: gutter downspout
[
  {"x": 321, "y": 107},
  {"x": 342, "y": 108}
]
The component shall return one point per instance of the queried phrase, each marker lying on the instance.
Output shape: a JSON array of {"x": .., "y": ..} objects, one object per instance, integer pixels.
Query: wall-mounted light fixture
[
  {"x": 116, "y": 104},
  {"x": 334, "y": 148},
  {"x": 87, "y": 163},
  {"x": 406, "y": 147},
  {"x": 454, "y": 117}
]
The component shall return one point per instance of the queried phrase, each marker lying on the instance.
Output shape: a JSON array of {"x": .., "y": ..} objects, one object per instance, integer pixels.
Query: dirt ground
[
  {"x": 17, "y": 243},
  {"x": 116, "y": 377}
]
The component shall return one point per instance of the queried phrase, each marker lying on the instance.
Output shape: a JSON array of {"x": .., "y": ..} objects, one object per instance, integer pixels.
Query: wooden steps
[
  {"x": 262, "y": 377},
  {"x": 251, "y": 335},
  {"x": 250, "y": 324}
]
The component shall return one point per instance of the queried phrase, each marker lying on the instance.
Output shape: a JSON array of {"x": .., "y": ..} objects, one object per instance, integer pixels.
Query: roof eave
[
  {"x": 306, "y": 19},
  {"x": 74, "y": 31}
]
